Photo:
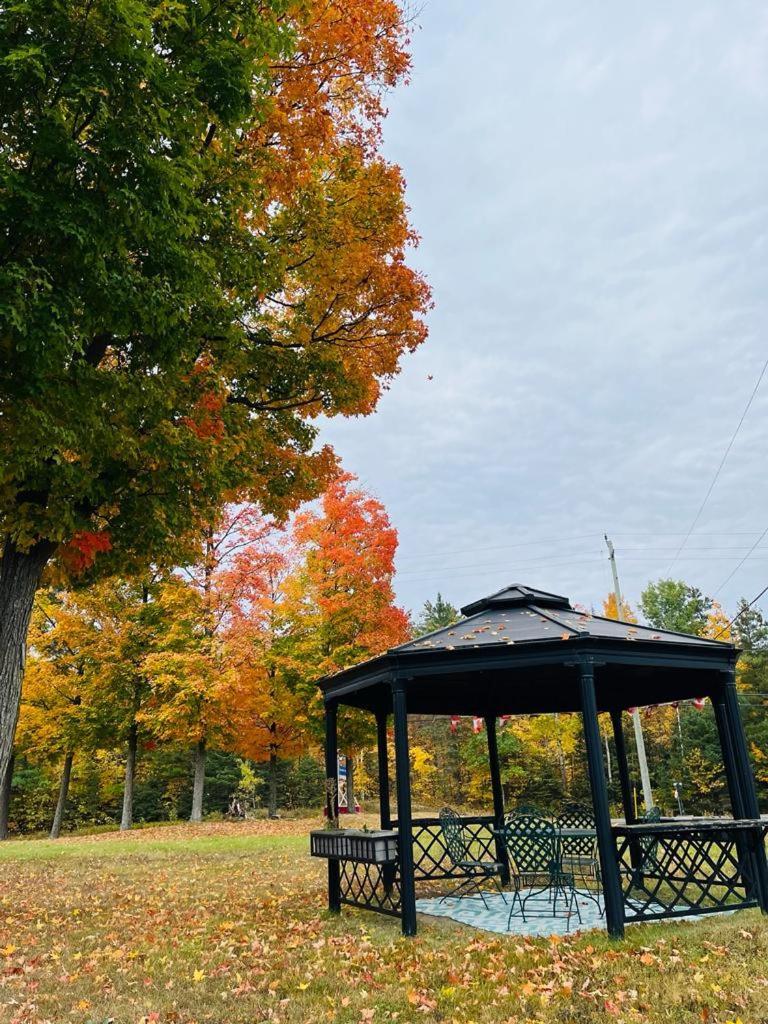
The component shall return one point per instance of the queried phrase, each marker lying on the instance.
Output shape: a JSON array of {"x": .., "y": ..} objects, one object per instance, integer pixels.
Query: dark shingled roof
[
  {"x": 523, "y": 615},
  {"x": 518, "y": 651}
]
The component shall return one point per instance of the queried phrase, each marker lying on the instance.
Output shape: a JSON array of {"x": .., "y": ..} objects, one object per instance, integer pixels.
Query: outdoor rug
[
  {"x": 470, "y": 910},
  {"x": 540, "y": 922}
]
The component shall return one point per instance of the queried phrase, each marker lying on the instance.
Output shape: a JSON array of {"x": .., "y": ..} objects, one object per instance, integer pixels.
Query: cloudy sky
[{"x": 590, "y": 181}]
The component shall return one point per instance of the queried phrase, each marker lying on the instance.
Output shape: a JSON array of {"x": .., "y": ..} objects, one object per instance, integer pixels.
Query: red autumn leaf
[{"x": 81, "y": 551}]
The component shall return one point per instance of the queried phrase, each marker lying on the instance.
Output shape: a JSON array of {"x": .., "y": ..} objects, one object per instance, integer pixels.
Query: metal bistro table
[{"x": 571, "y": 855}]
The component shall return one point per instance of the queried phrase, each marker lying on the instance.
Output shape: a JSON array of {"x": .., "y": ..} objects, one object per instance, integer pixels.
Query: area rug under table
[{"x": 493, "y": 918}]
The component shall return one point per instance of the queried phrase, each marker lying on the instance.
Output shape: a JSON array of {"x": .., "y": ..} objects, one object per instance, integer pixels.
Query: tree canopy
[
  {"x": 675, "y": 605},
  {"x": 201, "y": 250},
  {"x": 189, "y": 264}
]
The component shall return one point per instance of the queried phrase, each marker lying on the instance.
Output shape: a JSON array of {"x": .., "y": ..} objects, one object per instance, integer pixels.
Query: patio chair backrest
[
  {"x": 453, "y": 835},
  {"x": 524, "y": 811},
  {"x": 576, "y": 816},
  {"x": 532, "y": 844}
]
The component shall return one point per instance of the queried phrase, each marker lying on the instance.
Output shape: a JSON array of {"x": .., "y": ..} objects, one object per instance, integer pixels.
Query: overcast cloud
[{"x": 591, "y": 186}]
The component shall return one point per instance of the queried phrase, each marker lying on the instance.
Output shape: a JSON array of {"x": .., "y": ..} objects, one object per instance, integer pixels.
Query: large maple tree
[
  {"x": 339, "y": 604},
  {"x": 200, "y": 250}
]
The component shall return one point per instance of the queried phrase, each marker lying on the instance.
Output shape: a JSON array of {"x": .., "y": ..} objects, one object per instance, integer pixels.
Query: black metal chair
[
  {"x": 476, "y": 872},
  {"x": 578, "y": 853},
  {"x": 533, "y": 847}
]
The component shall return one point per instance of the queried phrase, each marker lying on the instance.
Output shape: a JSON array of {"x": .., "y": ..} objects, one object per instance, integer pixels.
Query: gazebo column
[
  {"x": 498, "y": 795},
  {"x": 385, "y": 813},
  {"x": 733, "y": 782},
  {"x": 609, "y": 867},
  {"x": 404, "y": 819},
  {"x": 729, "y": 758},
  {"x": 746, "y": 780},
  {"x": 332, "y": 797}
]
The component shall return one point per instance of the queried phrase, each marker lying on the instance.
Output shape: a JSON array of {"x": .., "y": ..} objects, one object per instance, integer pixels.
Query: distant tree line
[{"x": 172, "y": 693}]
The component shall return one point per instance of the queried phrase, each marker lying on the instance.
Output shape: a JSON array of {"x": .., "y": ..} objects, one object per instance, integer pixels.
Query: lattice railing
[
  {"x": 371, "y": 886},
  {"x": 672, "y": 870},
  {"x": 430, "y": 854}
]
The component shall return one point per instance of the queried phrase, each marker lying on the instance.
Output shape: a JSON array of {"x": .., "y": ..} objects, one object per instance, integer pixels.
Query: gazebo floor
[{"x": 539, "y": 919}]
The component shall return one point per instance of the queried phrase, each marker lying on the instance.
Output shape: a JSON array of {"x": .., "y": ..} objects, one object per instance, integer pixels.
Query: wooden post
[
  {"x": 621, "y": 757},
  {"x": 404, "y": 819},
  {"x": 627, "y": 801},
  {"x": 498, "y": 795},
  {"x": 609, "y": 867},
  {"x": 332, "y": 798}
]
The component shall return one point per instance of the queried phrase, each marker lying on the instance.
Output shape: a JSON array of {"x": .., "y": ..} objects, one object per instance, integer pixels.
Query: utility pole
[{"x": 645, "y": 778}]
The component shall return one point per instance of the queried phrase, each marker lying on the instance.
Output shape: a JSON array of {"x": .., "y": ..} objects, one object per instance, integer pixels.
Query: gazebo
[{"x": 525, "y": 651}]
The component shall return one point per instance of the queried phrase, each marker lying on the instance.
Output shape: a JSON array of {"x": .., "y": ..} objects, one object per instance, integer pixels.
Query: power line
[
  {"x": 476, "y": 568},
  {"x": 436, "y": 575},
  {"x": 410, "y": 559},
  {"x": 720, "y": 466},
  {"x": 730, "y": 576},
  {"x": 738, "y": 615},
  {"x": 533, "y": 562},
  {"x": 504, "y": 547}
]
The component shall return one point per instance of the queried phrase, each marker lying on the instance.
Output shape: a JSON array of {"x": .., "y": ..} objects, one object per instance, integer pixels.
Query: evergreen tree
[{"x": 434, "y": 615}]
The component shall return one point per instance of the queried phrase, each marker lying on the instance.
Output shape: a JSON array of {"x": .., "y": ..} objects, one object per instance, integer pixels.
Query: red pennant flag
[
  {"x": 477, "y": 725},
  {"x": 454, "y": 723},
  {"x": 699, "y": 702}
]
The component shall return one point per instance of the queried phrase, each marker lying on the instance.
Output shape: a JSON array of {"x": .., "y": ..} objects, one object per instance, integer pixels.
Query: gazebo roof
[
  {"x": 522, "y": 615},
  {"x": 517, "y": 651}
]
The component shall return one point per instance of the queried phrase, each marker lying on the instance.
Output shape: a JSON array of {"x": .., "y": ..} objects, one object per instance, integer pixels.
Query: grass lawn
[{"x": 225, "y": 922}]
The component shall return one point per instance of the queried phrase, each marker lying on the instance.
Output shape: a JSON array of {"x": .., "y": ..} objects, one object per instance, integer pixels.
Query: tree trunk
[
  {"x": 199, "y": 783},
  {"x": 272, "y": 808},
  {"x": 61, "y": 803},
  {"x": 5, "y": 799},
  {"x": 19, "y": 579},
  {"x": 126, "y": 821}
]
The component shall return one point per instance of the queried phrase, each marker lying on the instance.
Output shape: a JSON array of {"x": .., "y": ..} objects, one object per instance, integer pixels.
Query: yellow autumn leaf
[{"x": 198, "y": 976}]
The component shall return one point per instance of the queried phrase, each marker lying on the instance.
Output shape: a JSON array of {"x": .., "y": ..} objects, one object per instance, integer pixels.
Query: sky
[{"x": 590, "y": 183}]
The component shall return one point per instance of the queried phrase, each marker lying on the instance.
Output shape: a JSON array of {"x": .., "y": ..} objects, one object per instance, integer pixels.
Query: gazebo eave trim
[{"x": 489, "y": 657}]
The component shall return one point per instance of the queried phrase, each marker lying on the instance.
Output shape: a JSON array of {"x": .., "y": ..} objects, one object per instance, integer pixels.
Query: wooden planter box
[{"x": 379, "y": 847}]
